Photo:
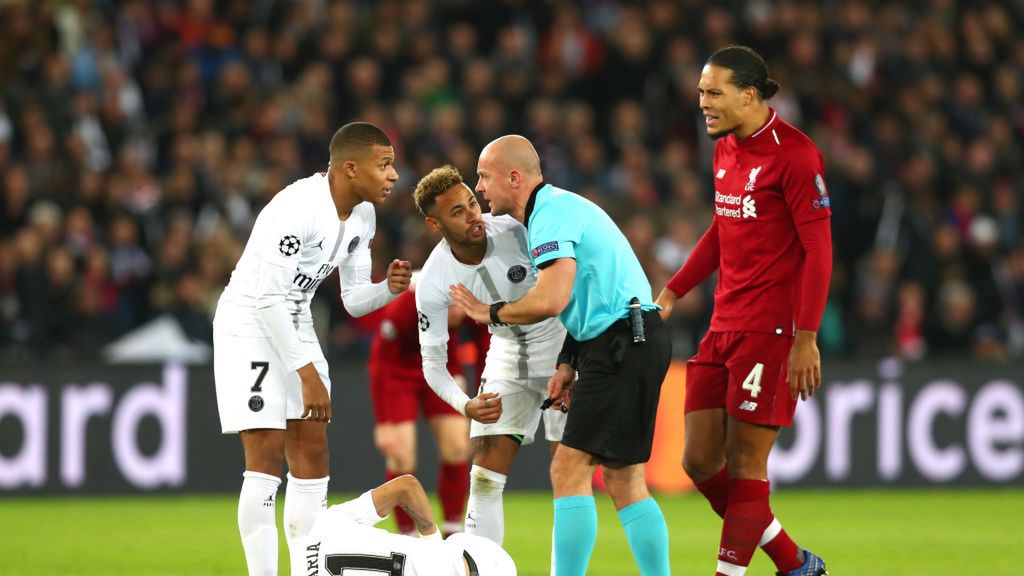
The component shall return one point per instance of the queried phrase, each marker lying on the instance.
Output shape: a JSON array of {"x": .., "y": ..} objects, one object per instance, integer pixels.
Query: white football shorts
[
  {"x": 520, "y": 410},
  {"x": 253, "y": 388}
]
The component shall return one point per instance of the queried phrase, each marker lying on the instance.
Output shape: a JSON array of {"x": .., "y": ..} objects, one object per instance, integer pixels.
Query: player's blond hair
[{"x": 439, "y": 181}]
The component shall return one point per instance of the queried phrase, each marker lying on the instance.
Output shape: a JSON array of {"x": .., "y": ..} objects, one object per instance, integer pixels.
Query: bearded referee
[{"x": 591, "y": 280}]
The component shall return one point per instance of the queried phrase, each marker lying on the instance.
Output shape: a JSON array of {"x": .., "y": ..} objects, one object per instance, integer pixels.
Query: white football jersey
[
  {"x": 504, "y": 274},
  {"x": 298, "y": 230},
  {"x": 343, "y": 540}
]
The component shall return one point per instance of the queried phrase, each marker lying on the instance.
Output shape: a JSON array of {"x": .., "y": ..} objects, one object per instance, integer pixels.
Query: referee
[{"x": 611, "y": 366}]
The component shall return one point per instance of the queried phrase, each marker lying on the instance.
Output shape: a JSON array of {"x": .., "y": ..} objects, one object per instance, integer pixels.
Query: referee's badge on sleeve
[{"x": 545, "y": 248}]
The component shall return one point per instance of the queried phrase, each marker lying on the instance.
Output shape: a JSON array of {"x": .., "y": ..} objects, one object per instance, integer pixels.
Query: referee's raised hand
[
  {"x": 474, "y": 308},
  {"x": 485, "y": 408}
]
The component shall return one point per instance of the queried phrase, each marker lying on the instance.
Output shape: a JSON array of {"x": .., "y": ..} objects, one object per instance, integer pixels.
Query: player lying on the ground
[{"x": 343, "y": 540}]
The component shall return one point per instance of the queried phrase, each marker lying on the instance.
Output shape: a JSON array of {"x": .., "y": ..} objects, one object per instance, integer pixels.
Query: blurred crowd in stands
[{"x": 140, "y": 138}]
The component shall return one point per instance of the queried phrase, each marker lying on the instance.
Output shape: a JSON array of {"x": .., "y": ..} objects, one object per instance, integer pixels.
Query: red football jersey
[
  {"x": 396, "y": 345},
  {"x": 765, "y": 186}
]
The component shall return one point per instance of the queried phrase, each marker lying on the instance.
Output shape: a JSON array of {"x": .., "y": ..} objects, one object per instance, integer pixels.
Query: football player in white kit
[
  {"x": 272, "y": 382},
  {"x": 487, "y": 254},
  {"x": 343, "y": 541}
]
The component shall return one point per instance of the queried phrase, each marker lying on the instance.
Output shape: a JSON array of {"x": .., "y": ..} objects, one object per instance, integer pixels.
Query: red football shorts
[
  {"x": 398, "y": 394},
  {"x": 745, "y": 373}
]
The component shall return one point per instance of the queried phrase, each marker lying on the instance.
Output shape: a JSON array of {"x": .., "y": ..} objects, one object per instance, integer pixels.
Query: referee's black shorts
[{"x": 615, "y": 400}]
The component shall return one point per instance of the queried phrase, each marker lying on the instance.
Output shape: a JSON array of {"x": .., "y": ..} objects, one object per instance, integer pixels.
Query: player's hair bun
[{"x": 768, "y": 88}]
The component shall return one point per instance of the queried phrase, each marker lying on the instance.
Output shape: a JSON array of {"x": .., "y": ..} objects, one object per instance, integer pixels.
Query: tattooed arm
[{"x": 406, "y": 493}]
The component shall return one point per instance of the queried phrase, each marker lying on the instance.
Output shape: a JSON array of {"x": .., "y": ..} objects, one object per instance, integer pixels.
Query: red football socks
[
  {"x": 775, "y": 542},
  {"x": 746, "y": 517},
  {"x": 453, "y": 489}
]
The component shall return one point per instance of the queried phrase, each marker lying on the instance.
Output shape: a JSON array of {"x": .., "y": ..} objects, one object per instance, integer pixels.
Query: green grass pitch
[{"x": 886, "y": 533}]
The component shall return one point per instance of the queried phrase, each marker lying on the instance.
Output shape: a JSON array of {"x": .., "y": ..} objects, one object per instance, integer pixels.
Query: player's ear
[
  {"x": 514, "y": 178},
  {"x": 433, "y": 224},
  {"x": 348, "y": 168}
]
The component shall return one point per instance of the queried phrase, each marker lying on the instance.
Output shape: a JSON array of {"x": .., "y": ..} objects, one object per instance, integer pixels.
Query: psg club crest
[
  {"x": 256, "y": 403},
  {"x": 352, "y": 245},
  {"x": 516, "y": 274},
  {"x": 289, "y": 245}
]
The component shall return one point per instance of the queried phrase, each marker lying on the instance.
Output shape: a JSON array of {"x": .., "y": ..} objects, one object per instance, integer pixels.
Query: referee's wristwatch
[{"x": 494, "y": 313}]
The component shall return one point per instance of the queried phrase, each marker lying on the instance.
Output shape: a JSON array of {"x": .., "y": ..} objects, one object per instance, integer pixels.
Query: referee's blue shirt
[{"x": 561, "y": 224}]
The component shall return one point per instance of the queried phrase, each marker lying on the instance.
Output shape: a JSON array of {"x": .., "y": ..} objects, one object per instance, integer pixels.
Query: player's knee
[
  {"x": 454, "y": 450},
  {"x": 568, "y": 473},
  {"x": 264, "y": 452},
  {"x": 746, "y": 464},
  {"x": 385, "y": 444},
  {"x": 699, "y": 467},
  {"x": 484, "y": 482},
  {"x": 398, "y": 455},
  {"x": 625, "y": 485}
]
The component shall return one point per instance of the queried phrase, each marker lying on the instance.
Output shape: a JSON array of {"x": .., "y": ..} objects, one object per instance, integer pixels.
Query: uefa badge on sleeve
[
  {"x": 289, "y": 245},
  {"x": 822, "y": 201}
]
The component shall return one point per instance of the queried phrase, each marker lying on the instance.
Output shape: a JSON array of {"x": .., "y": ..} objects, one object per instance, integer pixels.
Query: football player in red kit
[
  {"x": 770, "y": 240},
  {"x": 398, "y": 390}
]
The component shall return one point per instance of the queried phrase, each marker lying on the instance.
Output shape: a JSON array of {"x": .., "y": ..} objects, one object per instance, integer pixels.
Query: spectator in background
[{"x": 209, "y": 108}]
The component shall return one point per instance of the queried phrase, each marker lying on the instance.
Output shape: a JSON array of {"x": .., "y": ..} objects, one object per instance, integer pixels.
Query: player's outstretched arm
[
  {"x": 703, "y": 262},
  {"x": 545, "y": 300},
  {"x": 407, "y": 493}
]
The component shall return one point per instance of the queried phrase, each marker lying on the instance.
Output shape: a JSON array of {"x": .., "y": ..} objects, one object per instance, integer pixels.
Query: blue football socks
[
  {"x": 574, "y": 534},
  {"x": 647, "y": 534}
]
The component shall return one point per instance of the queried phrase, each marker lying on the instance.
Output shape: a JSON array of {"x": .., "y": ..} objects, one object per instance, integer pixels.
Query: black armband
[{"x": 570, "y": 347}]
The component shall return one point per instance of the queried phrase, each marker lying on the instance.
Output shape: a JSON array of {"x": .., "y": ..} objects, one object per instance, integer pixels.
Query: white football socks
[
  {"x": 303, "y": 500},
  {"x": 485, "y": 515},
  {"x": 257, "y": 523}
]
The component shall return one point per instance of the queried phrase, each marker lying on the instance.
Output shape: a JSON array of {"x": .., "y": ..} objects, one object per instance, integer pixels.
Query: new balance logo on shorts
[{"x": 748, "y": 406}]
